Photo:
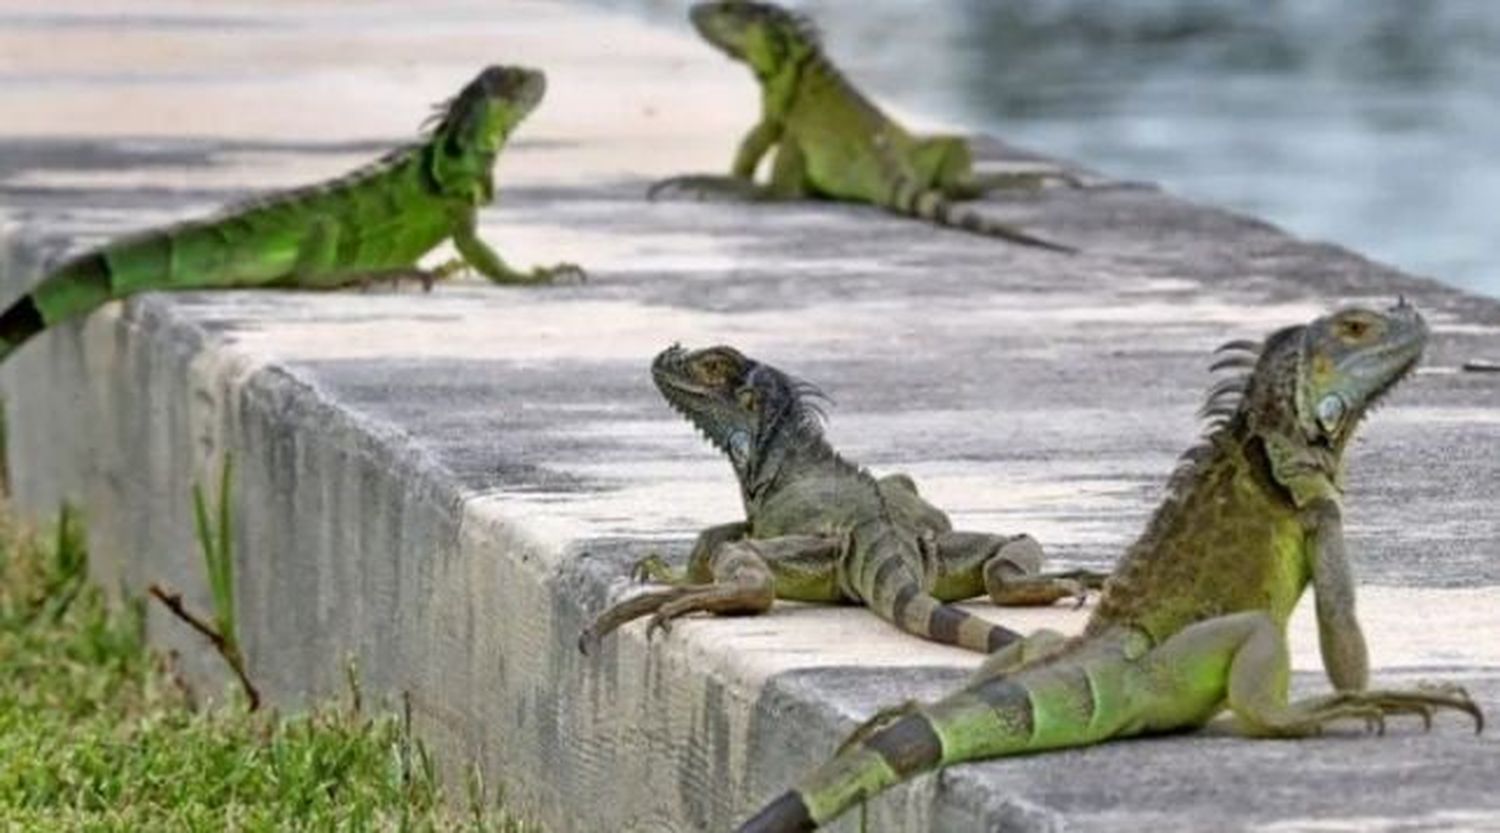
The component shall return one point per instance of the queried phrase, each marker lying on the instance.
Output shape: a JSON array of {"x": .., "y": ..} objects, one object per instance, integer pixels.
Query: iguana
[
  {"x": 831, "y": 142},
  {"x": 819, "y": 528},
  {"x": 371, "y": 224},
  {"x": 1194, "y": 618}
]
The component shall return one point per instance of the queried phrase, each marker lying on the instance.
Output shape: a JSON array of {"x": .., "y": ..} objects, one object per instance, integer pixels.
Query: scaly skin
[
  {"x": 821, "y": 529},
  {"x": 374, "y": 223},
  {"x": 833, "y": 143},
  {"x": 1194, "y": 619}
]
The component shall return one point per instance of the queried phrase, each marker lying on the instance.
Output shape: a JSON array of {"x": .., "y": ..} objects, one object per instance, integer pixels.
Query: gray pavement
[{"x": 444, "y": 487}]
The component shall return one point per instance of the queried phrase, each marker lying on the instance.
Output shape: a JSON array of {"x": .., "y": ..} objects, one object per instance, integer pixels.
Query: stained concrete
[{"x": 444, "y": 487}]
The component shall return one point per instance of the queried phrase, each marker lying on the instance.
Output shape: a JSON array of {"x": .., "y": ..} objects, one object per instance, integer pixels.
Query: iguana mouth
[{"x": 692, "y": 401}]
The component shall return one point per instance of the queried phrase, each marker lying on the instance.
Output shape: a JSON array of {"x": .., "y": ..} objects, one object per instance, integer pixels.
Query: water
[{"x": 1371, "y": 123}]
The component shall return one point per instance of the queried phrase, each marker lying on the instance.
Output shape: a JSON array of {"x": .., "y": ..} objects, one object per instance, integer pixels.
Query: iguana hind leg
[
  {"x": 1006, "y": 567},
  {"x": 1249, "y": 650},
  {"x": 699, "y": 569},
  {"x": 747, "y": 576},
  {"x": 947, "y": 163}
]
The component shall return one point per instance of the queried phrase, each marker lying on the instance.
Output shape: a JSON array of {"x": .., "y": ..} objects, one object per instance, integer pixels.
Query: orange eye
[{"x": 1354, "y": 329}]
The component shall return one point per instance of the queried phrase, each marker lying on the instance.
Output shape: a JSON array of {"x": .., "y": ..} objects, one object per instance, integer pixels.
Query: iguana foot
[
  {"x": 654, "y": 568},
  {"x": 628, "y": 610},
  {"x": 724, "y": 599},
  {"x": 706, "y": 187},
  {"x": 742, "y": 597},
  {"x": 426, "y": 277},
  {"x": 1374, "y": 706},
  {"x": 560, "y": 273}
]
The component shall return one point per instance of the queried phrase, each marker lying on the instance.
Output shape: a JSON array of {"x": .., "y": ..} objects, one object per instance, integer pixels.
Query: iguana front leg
[
  {"x": 699, "y": 567},
  {"x": 947, "y": 162},
  {"x": 788, "y": 175},
  {"x": 746, "y": 577},
  {"x": 1346, "y": 659},
  {"x": 1242, "y": 660},
  {"x": 960, "y": 565},
  {"x": 753, "y": 148},
  {"x": 486, "y": 261},
  {"x": 740, "y": 185}
]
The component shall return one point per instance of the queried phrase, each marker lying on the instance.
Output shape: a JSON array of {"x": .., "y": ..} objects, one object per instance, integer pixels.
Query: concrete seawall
[{"x": 444, "y": 487}]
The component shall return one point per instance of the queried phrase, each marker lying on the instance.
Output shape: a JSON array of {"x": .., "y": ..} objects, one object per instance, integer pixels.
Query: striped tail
[
  {"x": 919, "y": 613},
  {"x": 989, "y": 720},
  {"x": 75, "y": 288},
  {"x": 891, "y": 588},
  {"x": 19, "y": 323},
  {"x": 928, "y": 204}
]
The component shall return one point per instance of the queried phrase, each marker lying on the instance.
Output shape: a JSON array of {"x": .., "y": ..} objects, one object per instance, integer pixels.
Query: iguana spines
[
  {"x": 1194, "y": 620},
  {"x": 370, "y": 224}
]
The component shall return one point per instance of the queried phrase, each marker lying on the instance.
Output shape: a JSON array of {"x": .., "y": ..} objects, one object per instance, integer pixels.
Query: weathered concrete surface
[{"x": 443, "y": 487}]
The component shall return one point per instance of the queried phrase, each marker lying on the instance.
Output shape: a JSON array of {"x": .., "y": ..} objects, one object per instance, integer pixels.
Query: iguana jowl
[
  {"x": 371, "y": 224},
  {"x": 831, "y": 141},
  {"x": 819, "y": 528},
  {"x": 1193, "y": 620}
]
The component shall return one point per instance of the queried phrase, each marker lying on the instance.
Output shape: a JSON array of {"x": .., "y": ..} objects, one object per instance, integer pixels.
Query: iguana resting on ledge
[
  {"x": 374, "y": 223},
  {"x": 831, "y": 141},
  {"x": 1194, "y": 618},
  {"x": 819, "y": 528}
]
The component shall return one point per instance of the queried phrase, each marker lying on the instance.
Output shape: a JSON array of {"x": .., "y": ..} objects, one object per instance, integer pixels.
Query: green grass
[{"x": 97, "y": 734}]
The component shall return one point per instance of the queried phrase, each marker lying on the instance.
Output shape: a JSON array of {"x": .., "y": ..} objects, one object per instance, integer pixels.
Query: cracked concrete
[{"x": 444, "y": 487}]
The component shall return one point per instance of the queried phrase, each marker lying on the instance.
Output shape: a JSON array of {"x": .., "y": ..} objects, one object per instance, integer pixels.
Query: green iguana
[
  {"x": 371, "y": 224},
  {"x": 1194, "y": 618},
  {"x": 834, "y": 143},
  {"x": 820, "y": 529}
]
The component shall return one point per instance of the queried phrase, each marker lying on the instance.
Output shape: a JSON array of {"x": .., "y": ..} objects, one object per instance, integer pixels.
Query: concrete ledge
[{"x": 444, "y": 487}]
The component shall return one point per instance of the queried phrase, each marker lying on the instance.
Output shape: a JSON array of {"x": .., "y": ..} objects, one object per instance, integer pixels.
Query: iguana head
[
  {"x": 763, "y": 35},
  {"x": 757, "y": 415},
  {"x": 1312, "y": 384},
  {"x": 472, "y": 127}
]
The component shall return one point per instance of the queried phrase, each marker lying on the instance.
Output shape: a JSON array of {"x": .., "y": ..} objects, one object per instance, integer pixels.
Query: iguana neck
[
  {"x": 780, "y": 88},
  {"x": 471, "y": 185},
  {"x": 794, "y": 454},
  {"x": 1309, "y": 469}
]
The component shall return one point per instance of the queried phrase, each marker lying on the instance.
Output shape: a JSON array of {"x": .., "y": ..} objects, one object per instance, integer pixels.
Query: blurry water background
[{"x": 1371, "y": 123}]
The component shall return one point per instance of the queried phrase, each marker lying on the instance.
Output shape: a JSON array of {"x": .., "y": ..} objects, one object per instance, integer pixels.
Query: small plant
[{"x": 216, "y": 541}]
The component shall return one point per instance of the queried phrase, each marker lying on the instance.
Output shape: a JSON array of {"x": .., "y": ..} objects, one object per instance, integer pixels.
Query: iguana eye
[{"x": 1354, "y": 329}]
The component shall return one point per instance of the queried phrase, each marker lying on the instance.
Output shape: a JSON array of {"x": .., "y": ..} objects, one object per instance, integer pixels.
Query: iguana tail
[
  {"x": 74, "y": 288},
  {"x": 917, "y": 612},
  {"x": 1002, "y": 715},
  {"x": 930, "y": 205},
  {"x": 893, "y": 590},
  {"x": 192, "y": 255}
]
